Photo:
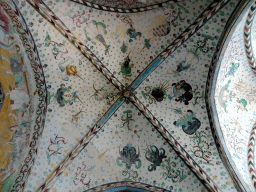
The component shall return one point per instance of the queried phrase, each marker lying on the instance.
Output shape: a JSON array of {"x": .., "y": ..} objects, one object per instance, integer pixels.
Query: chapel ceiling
[{"x": 98, "y": 95}]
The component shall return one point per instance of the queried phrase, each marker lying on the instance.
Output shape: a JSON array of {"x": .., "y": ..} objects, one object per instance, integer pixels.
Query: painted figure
[{"x": 126, "y": 66}]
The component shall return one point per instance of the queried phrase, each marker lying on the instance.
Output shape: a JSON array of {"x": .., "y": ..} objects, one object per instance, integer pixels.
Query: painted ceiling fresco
[{"x": 127, "y": 95}]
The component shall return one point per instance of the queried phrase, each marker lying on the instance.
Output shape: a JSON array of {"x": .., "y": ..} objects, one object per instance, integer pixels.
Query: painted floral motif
[
  {"x": 80, "y": 18},
  {"x": 59, "y": 51},
  {"x": 142, "y": 37},
  {"x": 155, "y": 156},
  {"x": 72, "y": 71},
  {"x": 201, "y": 147},
  {"x": 186, "y": 63},
  {"x": 146, "y": 93},
  {"x": 159, "y": 159},
  {"x": 129, "y": 156},
  {"x": 171, "y": 171},
  {"x": 127, "y": 119},
  {"x": 77, "y": 116},
  {"x": 201, "y": 45},
  {"x": 81, "y": 176},
  {"x": 182, "y": 92},
  {"x": 54, "y": 146},
  {"x": 232, "y": 69},
  {"x": 130, "y": 175},
  {"x": 188, "y": 122},
  {"x": 96, "y": 31},
  {"x": 156, "y": 94},
  {"x": 64, "y": 96},
  {"x": 102, "y": 94},
  {"x": 159, "y": 93}
]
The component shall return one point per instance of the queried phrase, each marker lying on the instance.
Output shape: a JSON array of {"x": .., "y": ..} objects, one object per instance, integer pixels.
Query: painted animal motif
[
  {"x": 182, "y": 92},
  {"x": 155, "y": 156},
  {"x": 189, "y": 123},
  {"x": 190, "y": 58}
]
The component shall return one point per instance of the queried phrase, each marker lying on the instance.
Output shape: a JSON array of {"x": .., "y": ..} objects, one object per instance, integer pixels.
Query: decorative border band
[
  {"x": 31, "y": 50},
  {"x": 210, "y": 92},
  {"x": 250, "y": 156},
  {"x": 247, "y": 37},
  {"x": 126, "y": 184},
  {"x": 123, "y": 10}
]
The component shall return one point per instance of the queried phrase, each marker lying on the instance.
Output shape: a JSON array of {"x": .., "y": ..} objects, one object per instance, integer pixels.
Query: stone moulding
[{"x": 238, "y": 14}]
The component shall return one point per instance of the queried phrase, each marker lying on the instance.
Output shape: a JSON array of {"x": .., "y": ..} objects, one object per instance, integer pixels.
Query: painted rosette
[{"x": 22, "y": 99}]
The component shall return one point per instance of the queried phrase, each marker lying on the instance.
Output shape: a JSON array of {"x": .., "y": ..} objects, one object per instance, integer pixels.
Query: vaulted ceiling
[{"x": 141, "y": 95}]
